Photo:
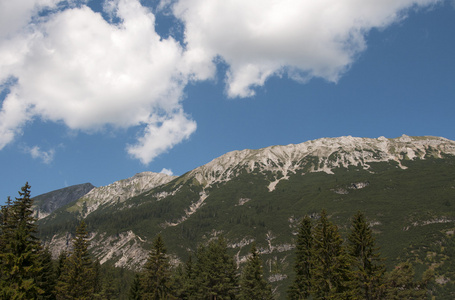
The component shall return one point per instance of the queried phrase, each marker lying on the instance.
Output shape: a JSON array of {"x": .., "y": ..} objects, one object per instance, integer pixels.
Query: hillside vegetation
[{"x": 405, "y": 187}]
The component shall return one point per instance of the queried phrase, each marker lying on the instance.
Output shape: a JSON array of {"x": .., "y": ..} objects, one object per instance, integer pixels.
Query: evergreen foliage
[
  {"x": 252, "y": 282},
  {"x": 215, "y": 272},
  {"x": 301, "y": 286},
  {"x": 47, "y": 278},
  {"x": 332, "y": 277},
  {"x": 185, "y": 280},
  {"x": 365, "y": 260},
  {"x": 402, "y": 285},
  {"x": 156, "y": 278},
  {"x": 135, "y": 292},
  {"x": 77, "y": 279},
  {"x": 20, "y": 249}
]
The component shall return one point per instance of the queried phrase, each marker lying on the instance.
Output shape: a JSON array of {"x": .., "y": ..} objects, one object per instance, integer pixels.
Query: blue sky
[{"x": 96, "y": 91}]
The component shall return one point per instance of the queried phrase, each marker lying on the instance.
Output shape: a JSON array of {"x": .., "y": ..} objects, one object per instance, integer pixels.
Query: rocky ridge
[
  {"x": 120, "y": 191},
  {"x": 330, "y": 152},
  {"x": 45, "y": 204}
]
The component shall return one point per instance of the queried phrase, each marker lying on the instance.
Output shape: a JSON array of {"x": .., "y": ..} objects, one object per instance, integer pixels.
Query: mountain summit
[
  {"x": 405, "y": 185},
  {"x": 322, "y": 155}
]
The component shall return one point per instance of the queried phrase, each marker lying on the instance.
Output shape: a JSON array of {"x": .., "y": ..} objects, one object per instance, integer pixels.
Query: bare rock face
[
  {"x": 46, "y": 203},
  {"x": 120, "y": 191},
  {"x": 330, "y": 153}
]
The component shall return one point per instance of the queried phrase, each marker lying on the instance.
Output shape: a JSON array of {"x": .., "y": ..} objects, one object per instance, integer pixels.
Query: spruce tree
[
  {"x": 184, "y": 280},
  {"x": 156, "y": 279},
  {"x": 332, "y": 278},
  {"x": 301, "y": 286},
  {"x": 47, "y": 278},
  {"x": 20, "y": 249},
  {"x": 402, "y": 285},
  {"x": 366, "y": 262},
  {"x": 77, "y": 277},
  {"x": 215, "y": 272},
  {"x": 60, "y": 265},
  {"x": 135, "y": 292},
  {"x": 252, "y": 282}
]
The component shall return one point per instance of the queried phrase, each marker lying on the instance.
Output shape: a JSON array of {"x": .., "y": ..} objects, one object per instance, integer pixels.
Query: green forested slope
[{"x": 412, "y": 212}]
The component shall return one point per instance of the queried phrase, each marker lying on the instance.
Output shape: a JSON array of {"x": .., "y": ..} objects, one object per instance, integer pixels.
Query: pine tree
[
  {"x": 77, "y": 277},
  {"x": 156, "y": 279},
  {"x": 6, "y": 234},
  {"x": 184, "y": 280},
  {"x": 19, "y": 249},
  {"x": 135, "y": 292},
  {"x": 401, "y": 283},
  {"x": 332, "y": 278},
  {"x": 60, "y": 266},
  {"x": 252, "y": 282},
  {"x": 301, "y": 286},
  {"x": 215, "y": 272},
  {"x": 47, "y": 278},
  {"x": 368, "y": 268}
]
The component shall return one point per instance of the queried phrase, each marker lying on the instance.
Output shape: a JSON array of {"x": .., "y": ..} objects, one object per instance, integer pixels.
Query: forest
[{"x": 326, "y": 266}]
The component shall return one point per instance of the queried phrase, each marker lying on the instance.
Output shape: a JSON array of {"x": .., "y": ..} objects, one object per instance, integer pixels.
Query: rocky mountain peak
[
  {"x": 119, "y": 191},
  {"x": 330, "y": 153},
  {"x": 46, "y": 203}
]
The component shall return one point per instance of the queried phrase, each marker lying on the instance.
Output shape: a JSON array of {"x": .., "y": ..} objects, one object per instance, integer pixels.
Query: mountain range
[{"x": 405, "y": 186}]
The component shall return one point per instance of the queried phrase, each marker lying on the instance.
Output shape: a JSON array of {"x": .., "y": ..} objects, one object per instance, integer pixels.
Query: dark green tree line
[{"x": 326, "y": 267}]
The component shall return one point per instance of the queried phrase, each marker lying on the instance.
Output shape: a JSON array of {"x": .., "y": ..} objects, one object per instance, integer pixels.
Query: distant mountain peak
[{"x": 46, "y": 203}]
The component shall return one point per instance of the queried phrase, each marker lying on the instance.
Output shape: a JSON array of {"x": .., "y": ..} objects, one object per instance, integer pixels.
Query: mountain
[
  {"x": 46, "y": 203},
  {"x": 119, "y": 191},
  {"x": 405, "y": 186}
]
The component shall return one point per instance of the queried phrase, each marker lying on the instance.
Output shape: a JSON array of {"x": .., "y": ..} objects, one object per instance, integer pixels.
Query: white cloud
[
  {"x": 161, "y": 135},
  {"x": 305, "y": 39},
  {"x": 14, "y": 15},
  {"x": 167, "y": 172},
  {"x": 75, "y": 67},
  {"x": 46, "y": 156}
]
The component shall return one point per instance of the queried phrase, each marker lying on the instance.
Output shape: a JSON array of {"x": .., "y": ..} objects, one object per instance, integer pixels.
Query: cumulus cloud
[
  {"x": 167, "y": 172},
  {"x": 73, "y": 66},
  {"x": 304, "y": 39},
  {"x": 159, "y": 138},
  {"x": 46, "y": 156}
]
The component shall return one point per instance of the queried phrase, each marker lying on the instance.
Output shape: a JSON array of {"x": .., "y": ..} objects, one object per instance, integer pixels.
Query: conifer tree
[
  {"x": 301, "y": 286},
  {"x": 77, "y": 278},
  {"x": 367, "y": 265},
  {"x": 401, "y": 283},
  {"x": 46, "y": 280},
  {"x": 184, "y": 280},
  {"x": 60, "y": 265},
  {"x": 156, "y": 279},
  {"x": 215, "y": 272},
  {"x": 332, "y": 277},
  {"x": 252, "y": 282},
  {"x": 20, "y": 249},
  {"x": 135, "y": 292}
]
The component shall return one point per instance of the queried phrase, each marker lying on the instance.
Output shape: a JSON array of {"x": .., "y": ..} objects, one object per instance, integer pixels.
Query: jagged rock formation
[{"x": 46, "y": 203}]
